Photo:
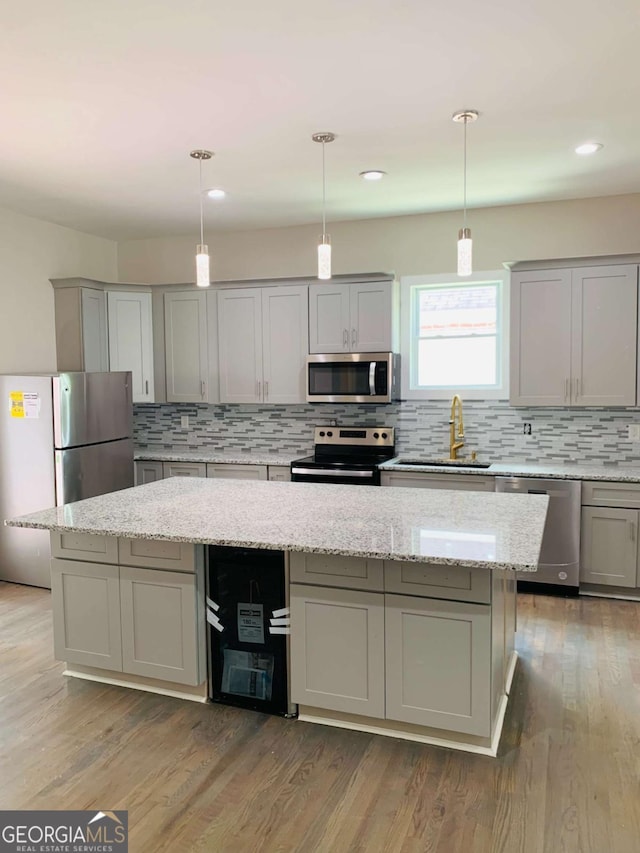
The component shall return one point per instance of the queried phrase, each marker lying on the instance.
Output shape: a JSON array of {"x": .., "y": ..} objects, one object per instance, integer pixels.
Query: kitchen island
[{"x": 402, "y": 602}]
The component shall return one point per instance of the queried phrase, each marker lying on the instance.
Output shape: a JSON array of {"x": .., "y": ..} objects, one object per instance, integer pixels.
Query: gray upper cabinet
[
  {"x": 574, "y": 336},
  {"x": 186, "y": 350},
  {"x": 81, "y": 329},
  {"x": 356, "y": 317},
  {"x": 263, "y": 344},
  {"x": 131, "y": 340}
]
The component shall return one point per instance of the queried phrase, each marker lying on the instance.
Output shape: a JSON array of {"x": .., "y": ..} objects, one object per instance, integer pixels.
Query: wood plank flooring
[{"x": 215, "y": 779}]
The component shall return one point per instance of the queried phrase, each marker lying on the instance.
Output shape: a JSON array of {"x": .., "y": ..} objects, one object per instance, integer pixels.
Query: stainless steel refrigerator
[{"x": 63, "y": 438}]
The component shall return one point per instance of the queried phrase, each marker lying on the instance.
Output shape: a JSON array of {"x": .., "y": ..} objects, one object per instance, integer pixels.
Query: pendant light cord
[
  {"x": 464, "y": 222},
  {"x": 324, "y": 194},
  {"x": 201, "y": 209}
]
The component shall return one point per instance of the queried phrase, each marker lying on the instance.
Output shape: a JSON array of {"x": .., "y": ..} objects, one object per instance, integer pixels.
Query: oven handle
[
  {"x": 330, "y": 472},
  {"x": 372, "y": 378}
]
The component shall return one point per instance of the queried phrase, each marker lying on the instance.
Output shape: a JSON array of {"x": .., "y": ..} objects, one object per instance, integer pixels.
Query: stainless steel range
[{"x": 346, "y": 455}]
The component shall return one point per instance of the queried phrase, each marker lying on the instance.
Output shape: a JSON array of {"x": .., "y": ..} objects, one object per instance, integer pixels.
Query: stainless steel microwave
[{"x": 354, "y": 377}]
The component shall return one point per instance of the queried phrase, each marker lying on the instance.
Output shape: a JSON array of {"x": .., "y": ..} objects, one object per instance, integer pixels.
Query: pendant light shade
[
  {"x": 465, "y": 244},
  {"x": 324, "y": 244},
  {"x": 203, "y": 276}
]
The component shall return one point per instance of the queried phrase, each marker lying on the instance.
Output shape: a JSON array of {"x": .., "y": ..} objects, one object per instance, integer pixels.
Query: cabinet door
[
  {"x": 604, "y": 335},
  {"x": 229, "y": 471},
  {"x": 131, "y": 340},
  {"x": 160, "y": 625},
  {"x": 148, "y": 472},
  {"x": 337, "y": 650},
  {"x": 371, "y": 312},
  {"x": 240, "y": 345},
  {"x": 94, "y": 330},
  {"x": 450, "y": 689},
  {"x": 185, "y": 324},
  {"x": 285, "y": 343},
  {"x": 329, "y": 318},
  {"x": 609, "y": 548},
  {"x": 86, "y": 613},
  {"x": 184, "y": 469},
  {"x": 540, "y": 338}
]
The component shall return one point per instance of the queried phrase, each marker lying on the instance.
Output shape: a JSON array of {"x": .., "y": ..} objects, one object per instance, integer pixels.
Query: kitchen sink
[{"x": 441, "y": 463}]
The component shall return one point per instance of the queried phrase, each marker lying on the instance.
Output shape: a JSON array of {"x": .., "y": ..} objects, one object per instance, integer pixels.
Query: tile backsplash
[{"x": 492, "y": 428}]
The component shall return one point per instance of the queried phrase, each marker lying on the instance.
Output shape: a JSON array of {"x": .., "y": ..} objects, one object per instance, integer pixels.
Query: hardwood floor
[{"x": 204, "y": 778}]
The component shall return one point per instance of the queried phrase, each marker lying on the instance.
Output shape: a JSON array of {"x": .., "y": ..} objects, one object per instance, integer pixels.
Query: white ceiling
[{"x": 102, "y": 102}]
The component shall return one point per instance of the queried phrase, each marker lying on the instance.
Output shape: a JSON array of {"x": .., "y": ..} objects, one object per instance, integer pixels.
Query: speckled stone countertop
[
  {"x": 474, "y": 529},
  {"x": 220, "y": 457},
  {"x": 550, "y": 470}
]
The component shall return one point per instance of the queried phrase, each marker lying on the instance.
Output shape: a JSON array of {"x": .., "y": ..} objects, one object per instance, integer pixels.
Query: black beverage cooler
[{"x": 248, "y": 623}]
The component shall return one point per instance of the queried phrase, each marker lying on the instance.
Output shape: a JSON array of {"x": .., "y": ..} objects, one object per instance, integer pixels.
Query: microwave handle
[{"x": 372, "y": 378}]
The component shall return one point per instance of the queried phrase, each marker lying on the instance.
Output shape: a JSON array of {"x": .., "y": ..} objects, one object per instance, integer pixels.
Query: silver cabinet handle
[
  {"x": 258, "y": 386},
  {"x": 146, "y": 386},
  {"x": 266, "y": 388},
  {"x": 578, "y": 388},
  {"x": 202, "y": 388},
  {"x": 354, "y": 338},
  {"x": 566, "y": 390},
  {"x": 632, "y": 530},
  {"x": 372, "y": 378},
  {"x": 345, "y": 339}
]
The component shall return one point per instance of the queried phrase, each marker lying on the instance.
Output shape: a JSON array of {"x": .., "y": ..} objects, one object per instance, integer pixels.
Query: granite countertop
[
  {"x": 474, "y": 529},
  {"x": 550, "y": 470},
  {"x": 221, "y": 457}
]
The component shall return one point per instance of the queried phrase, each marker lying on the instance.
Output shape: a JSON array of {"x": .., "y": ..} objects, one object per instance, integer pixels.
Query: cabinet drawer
[
  {"x": 455, "y": 583},
  {"x": 231, "y": 471},
  {"x": 331, "y": 570},
  {"x": 454, "y": 482},
  {"x": 184, "y": 469},
  {"x": 280, "y": 472},
  {"x": 84, "y": 546},
  {"x": 156, "y": 554},
  {"x": 596, "y": 493}
]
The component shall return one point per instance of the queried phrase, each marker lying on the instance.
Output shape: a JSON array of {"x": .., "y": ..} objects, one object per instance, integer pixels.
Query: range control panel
[{"x": 363, "y": 437}]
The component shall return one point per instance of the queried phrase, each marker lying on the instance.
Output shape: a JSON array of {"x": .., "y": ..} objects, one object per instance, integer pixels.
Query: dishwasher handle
[{"x": 537, "y": 492}]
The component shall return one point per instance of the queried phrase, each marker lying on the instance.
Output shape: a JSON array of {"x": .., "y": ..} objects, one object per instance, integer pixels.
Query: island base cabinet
[
  {"x": 438, "y": 664},
  {"x": 337, "y": 653},
  {"x": 159, "y": 625},
  {"x": 86, "y": 613}
]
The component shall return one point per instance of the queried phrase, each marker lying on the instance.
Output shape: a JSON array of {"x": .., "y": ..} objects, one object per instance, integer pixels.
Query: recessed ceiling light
[
  {"x": 216, "y": 193},
  {"x": 588, "y": 148},
  {"x": 373, "y": 175}
]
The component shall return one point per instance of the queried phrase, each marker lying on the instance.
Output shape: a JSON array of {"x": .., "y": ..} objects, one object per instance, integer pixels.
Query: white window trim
[{"x": 407, "y": 282}]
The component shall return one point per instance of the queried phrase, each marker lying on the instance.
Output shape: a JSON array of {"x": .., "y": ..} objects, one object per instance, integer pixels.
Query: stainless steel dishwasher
[{"x": 560, "y": 555}]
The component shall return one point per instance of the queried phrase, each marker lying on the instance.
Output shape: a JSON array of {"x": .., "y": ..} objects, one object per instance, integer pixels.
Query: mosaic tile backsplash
[{"x": 492, "y": 428}]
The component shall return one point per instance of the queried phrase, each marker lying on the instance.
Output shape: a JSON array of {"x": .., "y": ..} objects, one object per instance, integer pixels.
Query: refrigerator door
[
  {"x": 95, "y": 469},
  {"x": 26, "y": 475},
  {"x": 89, "y": 408}
]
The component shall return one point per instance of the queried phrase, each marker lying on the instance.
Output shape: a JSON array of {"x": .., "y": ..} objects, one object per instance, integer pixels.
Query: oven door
[
  {"x": 360, "y": 477},
  {"x": 350, "y": 377}
]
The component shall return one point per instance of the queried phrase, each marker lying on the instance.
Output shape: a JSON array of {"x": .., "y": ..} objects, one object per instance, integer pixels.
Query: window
[{"x": 454, "y": 336}]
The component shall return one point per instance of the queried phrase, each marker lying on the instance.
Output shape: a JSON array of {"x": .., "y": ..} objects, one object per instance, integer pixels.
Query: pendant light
[
  {"x": 464, "y": 234},
  {"x": 203, "y": 279},
  {"x": 324, "y": 246}
]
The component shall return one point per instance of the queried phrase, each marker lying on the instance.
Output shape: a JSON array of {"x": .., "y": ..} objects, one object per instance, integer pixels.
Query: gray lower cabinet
[
  {"x": 86, "y": 613},
  {"x": 609, "y": 546},
  {"x": 148, "y": 472},
  {"x": 159, "y": 624},
  {"x": 337, "y": 659},
  {"x": 450, "y": 689},
  {"x": 281, "y": 473}
]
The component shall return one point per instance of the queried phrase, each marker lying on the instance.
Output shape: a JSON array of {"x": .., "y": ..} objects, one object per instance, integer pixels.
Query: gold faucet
[{"x": 454, "y": 446}]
